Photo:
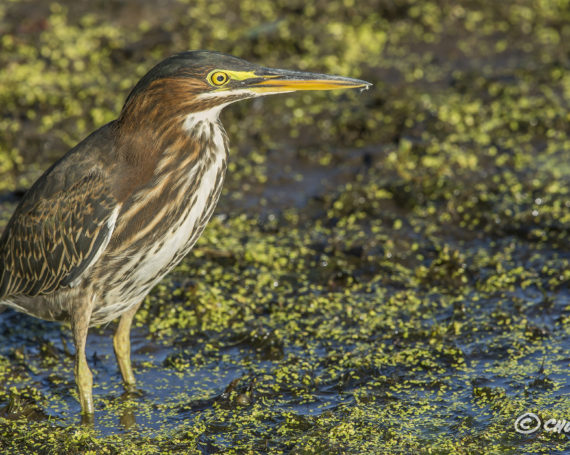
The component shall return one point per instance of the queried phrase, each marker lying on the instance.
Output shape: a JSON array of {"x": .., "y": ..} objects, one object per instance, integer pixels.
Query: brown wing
[
  {"x": 63, "y": 222},
  {"x": 52, "y": 238}
]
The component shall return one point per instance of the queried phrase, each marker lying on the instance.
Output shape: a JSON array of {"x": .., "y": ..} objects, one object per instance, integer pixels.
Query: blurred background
[{"x": 386, "y": 272}]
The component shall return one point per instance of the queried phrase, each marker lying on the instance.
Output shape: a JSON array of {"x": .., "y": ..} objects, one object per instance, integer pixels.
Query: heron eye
[{"x": 219, "y": 78}]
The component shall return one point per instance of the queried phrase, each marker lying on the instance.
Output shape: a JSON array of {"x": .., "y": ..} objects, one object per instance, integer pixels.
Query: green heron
[{"x": 116, "y": 213}]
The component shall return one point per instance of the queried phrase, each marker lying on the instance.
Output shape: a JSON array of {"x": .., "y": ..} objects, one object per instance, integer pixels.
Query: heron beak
[{"x": 273, "y": 81}]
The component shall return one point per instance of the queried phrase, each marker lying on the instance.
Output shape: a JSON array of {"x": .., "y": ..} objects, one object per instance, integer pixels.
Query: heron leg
[
  {"x": 83, "y": 377},
  {"x": 122, "y": 346}
]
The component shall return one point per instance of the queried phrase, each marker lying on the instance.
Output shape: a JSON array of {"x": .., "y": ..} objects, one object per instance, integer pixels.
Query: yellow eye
[{"x": 219, "y": 78}]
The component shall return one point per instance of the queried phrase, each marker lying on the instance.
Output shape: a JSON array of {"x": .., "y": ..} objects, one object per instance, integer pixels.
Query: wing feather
[{"x": 52, "y": 239}]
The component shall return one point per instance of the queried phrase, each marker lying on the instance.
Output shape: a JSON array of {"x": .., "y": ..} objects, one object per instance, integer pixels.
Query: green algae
[{"x": 388, "y": 271}]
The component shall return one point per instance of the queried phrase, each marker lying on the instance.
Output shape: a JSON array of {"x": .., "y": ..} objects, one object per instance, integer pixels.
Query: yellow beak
[{"x": 268, "y": 80}]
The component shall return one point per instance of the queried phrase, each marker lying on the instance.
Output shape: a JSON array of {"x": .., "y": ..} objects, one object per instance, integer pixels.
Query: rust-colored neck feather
[
  {"x": 151, "y": 124},
  {"x": 156, "y": 114}
]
